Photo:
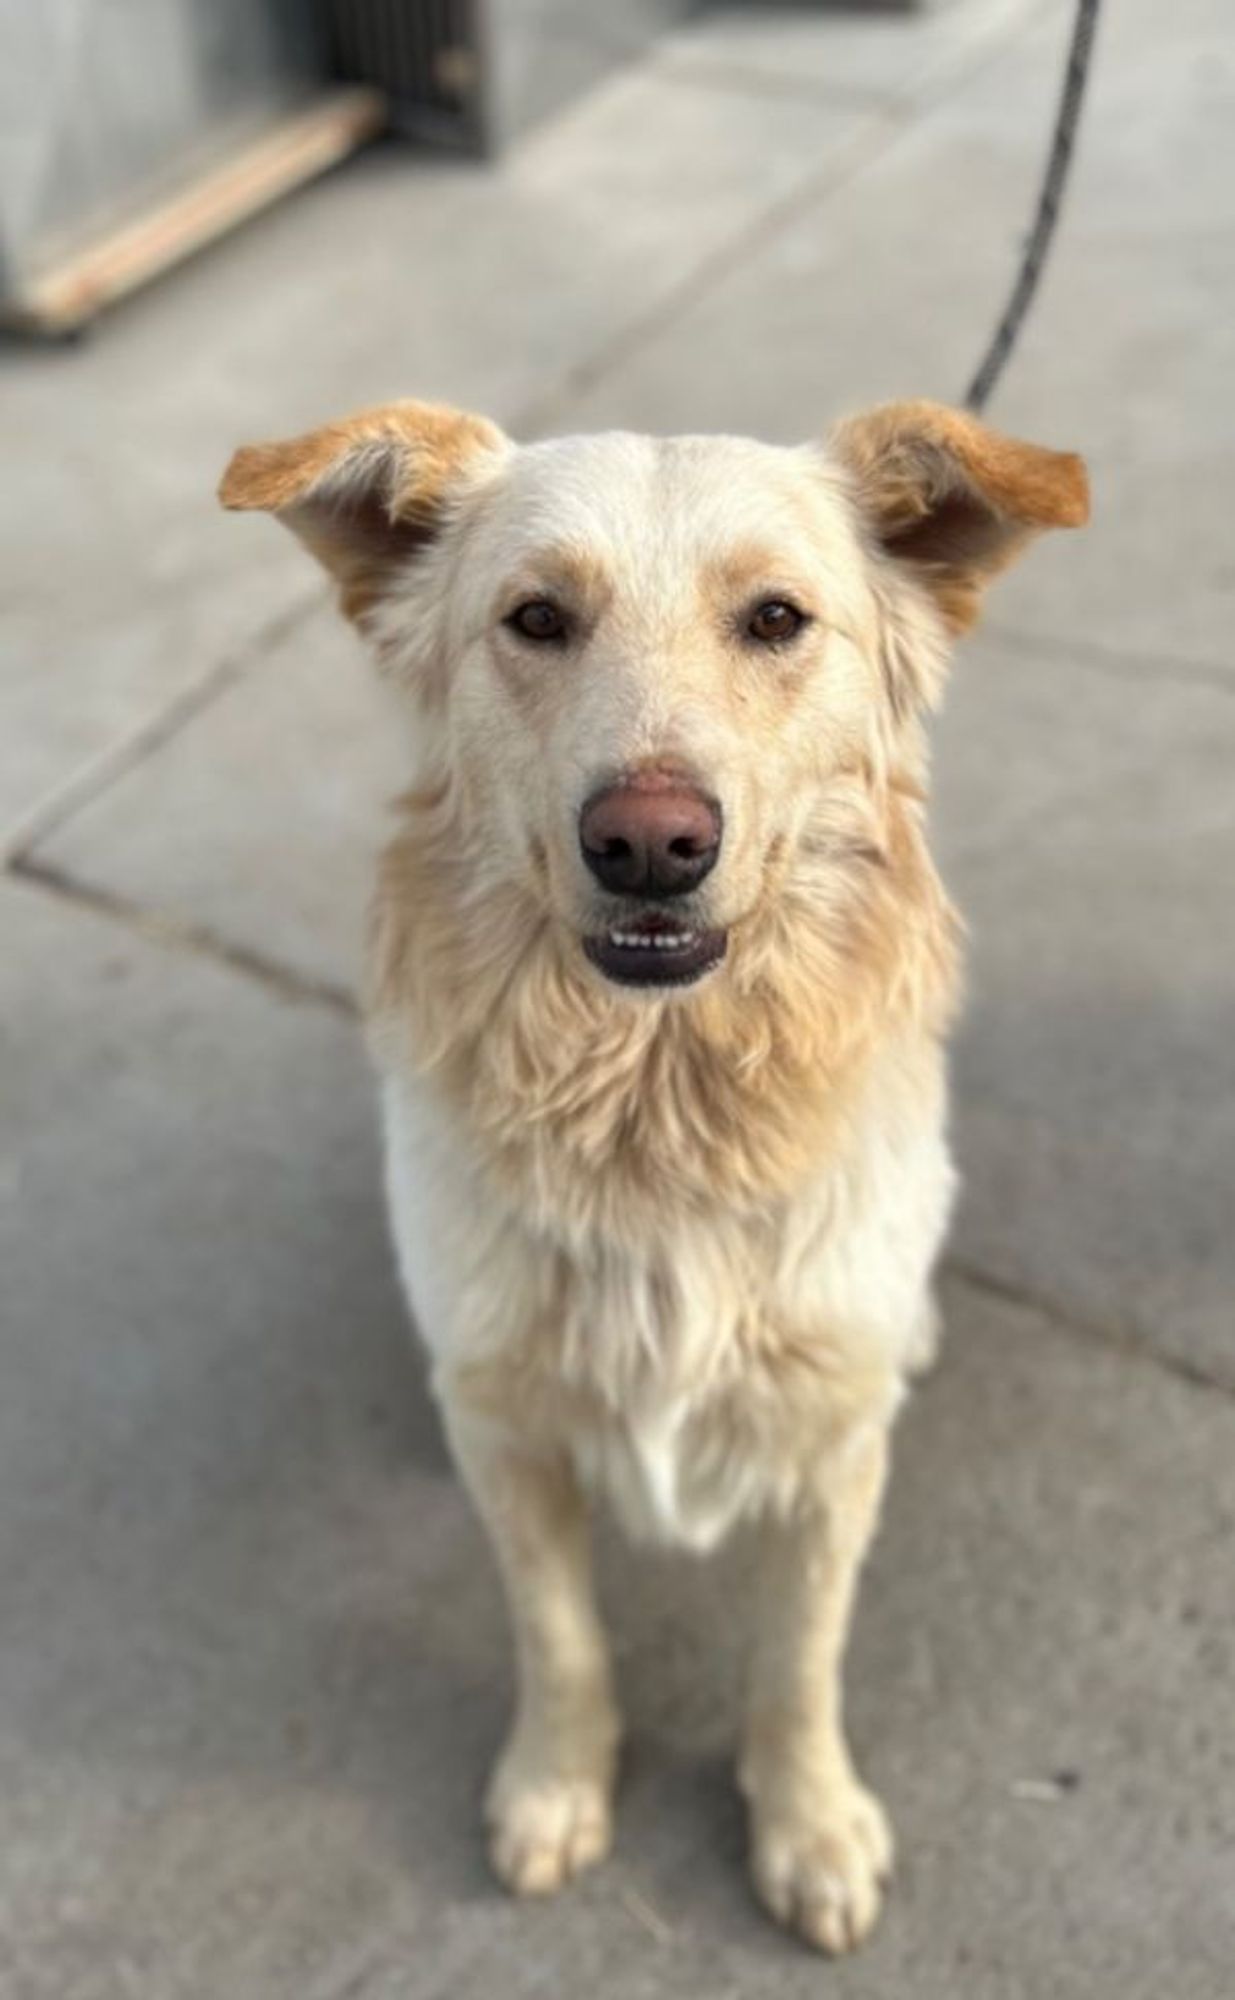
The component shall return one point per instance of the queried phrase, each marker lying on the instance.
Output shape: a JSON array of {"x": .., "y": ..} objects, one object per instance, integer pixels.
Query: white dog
[{"x": 660, "y": 976}]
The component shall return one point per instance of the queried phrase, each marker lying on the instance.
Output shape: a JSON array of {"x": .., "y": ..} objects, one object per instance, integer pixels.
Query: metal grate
[{"x": 425, "y": 54}]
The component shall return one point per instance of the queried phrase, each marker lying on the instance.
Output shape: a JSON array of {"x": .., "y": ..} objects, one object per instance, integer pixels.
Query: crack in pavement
[
  {"x": 890, "y": 121},
  {"x": 91, "y": 780},
  {"x": 1126, "y": 1341},
  {"x": 182, "y": 935}
]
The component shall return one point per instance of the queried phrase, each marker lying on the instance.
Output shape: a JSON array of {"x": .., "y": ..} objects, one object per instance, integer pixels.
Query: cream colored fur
[{"x": 669, "y": 1248}]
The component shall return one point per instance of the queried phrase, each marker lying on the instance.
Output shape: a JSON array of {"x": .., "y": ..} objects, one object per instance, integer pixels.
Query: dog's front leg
[
  {"x": 820, "y": 1844},
  {"x": 549, "y": 1799}
]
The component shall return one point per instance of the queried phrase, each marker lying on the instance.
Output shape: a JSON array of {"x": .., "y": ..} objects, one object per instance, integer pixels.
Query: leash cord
[{"x": 1050, "y": 200}]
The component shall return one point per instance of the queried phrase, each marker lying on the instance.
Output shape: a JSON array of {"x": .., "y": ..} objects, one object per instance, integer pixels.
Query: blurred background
[
  {"x": 134, "y": 130},
  {"x": 252, "y": 1662}
]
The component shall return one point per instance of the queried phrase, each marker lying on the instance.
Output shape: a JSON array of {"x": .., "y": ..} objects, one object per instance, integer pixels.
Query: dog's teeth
[{"x": 651, "y": 940}]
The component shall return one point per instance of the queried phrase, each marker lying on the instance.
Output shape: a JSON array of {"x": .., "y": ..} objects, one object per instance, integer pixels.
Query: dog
[{"x": 659, "y": 983}]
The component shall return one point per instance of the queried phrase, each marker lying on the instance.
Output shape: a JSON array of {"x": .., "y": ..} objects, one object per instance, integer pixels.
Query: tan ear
[
  {"x": 954, "y": 501},
  {"x": 364, "y": 494}
]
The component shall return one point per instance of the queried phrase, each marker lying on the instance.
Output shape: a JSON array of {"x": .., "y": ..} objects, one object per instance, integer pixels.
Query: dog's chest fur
[{"x": 696, "y": 1361}]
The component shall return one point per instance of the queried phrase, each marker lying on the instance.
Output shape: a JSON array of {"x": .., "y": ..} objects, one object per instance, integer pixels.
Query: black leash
[{"x": 1038, "y": 243}]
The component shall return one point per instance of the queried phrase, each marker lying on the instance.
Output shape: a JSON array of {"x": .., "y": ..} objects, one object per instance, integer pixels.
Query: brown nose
[{"x": 654, "y": 836}]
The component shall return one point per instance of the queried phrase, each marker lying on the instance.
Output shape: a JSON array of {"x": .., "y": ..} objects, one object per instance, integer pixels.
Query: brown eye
[
  {"x": 774, "y": 622},
  {"x": 538, "y": 619}
]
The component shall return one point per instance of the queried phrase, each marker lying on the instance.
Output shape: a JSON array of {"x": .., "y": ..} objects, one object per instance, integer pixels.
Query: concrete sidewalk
[{"x": 252, "y": 1661}]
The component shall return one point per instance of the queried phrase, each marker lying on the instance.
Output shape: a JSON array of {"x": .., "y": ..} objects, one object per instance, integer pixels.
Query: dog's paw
[
  {"x": 821, "y": 1870},
  {"x": 542, "y": 1835},
  {"x": 548, "y": 1806}
]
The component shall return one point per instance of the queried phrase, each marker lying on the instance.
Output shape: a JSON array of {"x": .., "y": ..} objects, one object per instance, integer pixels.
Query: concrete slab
[
  {"x": 393, "y": 277},
  {"x": 261, "y": 822},
  {"x": 885, "y": 285},
  {"x": 1031, "y": 734},
  {"x": 890, "y": 284},
  {"x": 1094, "y": 1085},
  {"x": 253, "y": 1657},
  {"x": 1085, "y": 826},
  {"x": 119, "y": 604}
]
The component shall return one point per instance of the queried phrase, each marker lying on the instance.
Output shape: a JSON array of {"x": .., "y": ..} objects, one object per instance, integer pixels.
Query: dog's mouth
[{"x": 655, "y": 950}]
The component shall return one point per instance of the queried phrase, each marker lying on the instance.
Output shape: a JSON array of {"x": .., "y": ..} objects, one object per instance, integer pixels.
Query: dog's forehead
[{"x": 631, "y": 500}]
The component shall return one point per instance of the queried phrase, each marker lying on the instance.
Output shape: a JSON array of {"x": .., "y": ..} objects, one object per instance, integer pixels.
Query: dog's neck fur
[{"x": 611, "y": 1112}]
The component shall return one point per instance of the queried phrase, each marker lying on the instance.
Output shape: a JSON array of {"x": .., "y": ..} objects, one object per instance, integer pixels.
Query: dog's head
[{"x": 663, "y": 679}]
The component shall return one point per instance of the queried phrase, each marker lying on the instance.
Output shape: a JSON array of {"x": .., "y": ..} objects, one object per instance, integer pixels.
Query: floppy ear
[
  {"x": 366, "y": 493},
  {"x": 953, "y": 501}
]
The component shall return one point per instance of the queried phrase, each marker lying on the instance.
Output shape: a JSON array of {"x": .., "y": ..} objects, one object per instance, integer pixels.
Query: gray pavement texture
[{"x": 252, "y": 1659}]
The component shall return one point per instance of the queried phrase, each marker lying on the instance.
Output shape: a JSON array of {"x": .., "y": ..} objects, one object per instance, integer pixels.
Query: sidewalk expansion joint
[
  {"x": 180, "y": 935},
  {"x": 1125, "y": 1341},
  {"x": 842, "y": 163},
  {"x": 890, "y": 120},
  {"x": 115, "y": 762}
]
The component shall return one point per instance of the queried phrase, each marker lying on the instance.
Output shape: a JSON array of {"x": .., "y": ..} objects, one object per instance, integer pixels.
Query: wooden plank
[{"x": 66, "y": 294}]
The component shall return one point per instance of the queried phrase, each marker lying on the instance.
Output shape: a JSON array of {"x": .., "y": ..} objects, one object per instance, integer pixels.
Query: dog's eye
[
  {"x": 538, "y": 619},
  {"x": 774, "y": 622}
]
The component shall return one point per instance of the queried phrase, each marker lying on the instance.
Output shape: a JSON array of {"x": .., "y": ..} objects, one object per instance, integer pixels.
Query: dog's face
[
  {"x": 659, "y": 657},
  {"x": 664, "y": 674}
]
